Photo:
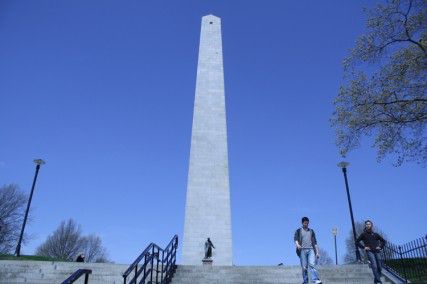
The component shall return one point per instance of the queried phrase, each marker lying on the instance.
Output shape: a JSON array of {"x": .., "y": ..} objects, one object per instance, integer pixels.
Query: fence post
[
  {"x": 425, "y": 245},
  {"x": 403, "y": 263},
  {"x": 152, "y": 264},
  {"x": 157, "y": 265},
  {"x": 163, "y": 266}
]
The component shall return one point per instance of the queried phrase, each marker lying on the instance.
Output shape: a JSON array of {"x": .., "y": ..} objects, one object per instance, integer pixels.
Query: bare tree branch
[
  {"x": 67, "y": 242},
  {"x": 12, "y": 206}
]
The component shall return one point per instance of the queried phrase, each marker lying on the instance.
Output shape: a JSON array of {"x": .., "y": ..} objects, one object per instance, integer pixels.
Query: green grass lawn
[
  {"x": 27, "y": 257},
  {"x": 416, "y": 268}
]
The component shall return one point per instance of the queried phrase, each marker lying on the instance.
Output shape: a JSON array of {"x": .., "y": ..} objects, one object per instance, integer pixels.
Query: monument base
[{"x": 207, "y": 262}]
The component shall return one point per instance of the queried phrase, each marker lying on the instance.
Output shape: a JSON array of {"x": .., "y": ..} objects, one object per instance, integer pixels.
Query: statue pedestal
[{"x": 207, "y": 262}]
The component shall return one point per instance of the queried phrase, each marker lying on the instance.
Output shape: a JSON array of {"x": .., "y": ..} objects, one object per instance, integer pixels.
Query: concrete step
[
  {"x": 352, "y": 274},
  {"x": 47, "y": 272},
  {"x": 44, "y": 272}
]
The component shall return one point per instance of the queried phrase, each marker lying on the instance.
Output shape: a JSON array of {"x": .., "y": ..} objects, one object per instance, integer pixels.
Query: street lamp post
[
  {"x": 38, "y": 163},
  {"x": 334, "y": 232},
  {"x": 343, "y": 166}
]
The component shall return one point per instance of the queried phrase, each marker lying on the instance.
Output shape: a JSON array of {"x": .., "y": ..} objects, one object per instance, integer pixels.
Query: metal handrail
[
  {"x": 407, "y": 261},
  {"x": 152, "y": 257},
  {"x": 76, "y": 275}
]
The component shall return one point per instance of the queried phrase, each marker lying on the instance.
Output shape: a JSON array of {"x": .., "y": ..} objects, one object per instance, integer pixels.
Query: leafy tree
[
  {"x": 385, "y": 91},
  {"x": 324, "y": 258},
  {"x": 67, "y": 242},
  {"x": 12, "y": 208},
  {"x": 350, "y": 255}
]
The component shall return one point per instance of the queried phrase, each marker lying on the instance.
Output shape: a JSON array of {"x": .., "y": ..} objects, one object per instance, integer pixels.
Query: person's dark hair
[
  {"x": 304, "y": 219},
  {"x": 368, "y": 221}
]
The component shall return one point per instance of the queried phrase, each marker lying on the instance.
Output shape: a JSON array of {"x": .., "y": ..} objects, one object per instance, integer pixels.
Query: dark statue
[{"x": 208, "y": 248}]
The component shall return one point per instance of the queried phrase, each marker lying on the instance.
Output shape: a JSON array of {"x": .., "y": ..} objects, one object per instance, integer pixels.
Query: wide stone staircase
[
  {"x": 351, "y": 274},
  {"x": 48, "y": 272},
  {"x": 44, "y": 272}
]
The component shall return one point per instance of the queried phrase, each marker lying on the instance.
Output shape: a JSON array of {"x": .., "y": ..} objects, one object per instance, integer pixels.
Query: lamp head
[
  {"x": 334, "y": 231},
  {"x": 343, "y": 164},
  {"x": 39, "y": 162}
]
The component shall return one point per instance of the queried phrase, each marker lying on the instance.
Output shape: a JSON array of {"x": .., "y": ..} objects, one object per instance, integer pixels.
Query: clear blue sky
[{"x": 104, "y": 90}]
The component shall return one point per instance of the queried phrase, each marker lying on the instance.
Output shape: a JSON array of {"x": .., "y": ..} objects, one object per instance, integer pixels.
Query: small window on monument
[{"x": 211, "y": 23}]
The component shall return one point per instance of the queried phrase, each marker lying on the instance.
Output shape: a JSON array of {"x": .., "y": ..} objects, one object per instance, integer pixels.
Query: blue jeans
[
  {"x": 308, "y": 260},
  {"x": 374, "y": 258}
]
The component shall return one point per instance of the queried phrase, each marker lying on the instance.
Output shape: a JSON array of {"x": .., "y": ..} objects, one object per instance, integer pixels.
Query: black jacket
[{"x": 371, "y": 240}]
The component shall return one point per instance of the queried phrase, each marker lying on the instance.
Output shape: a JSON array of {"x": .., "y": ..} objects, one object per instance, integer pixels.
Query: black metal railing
[
  {"x": 408, "y": 261},
  {"x": 153, "y": 265},
  {"x": 76, "y": 275}
]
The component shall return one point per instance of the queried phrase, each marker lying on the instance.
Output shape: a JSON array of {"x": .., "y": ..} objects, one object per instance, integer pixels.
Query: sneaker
[{"x": 318, "y": 281}]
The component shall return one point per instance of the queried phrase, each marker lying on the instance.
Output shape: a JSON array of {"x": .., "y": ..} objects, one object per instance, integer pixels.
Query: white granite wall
[{"x": 207, "y": 211}]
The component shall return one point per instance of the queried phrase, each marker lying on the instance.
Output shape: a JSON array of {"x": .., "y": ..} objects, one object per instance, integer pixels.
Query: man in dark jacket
[
  {"x": 307, "y": 250},
  {"x": 80, "y": 258},
  {"x": 373, "y": 243}
]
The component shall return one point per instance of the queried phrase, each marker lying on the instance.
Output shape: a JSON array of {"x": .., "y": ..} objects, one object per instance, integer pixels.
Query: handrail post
[
  {"x": 163, "y": 267},
  {"x": 157, "y": 265},
  {"x": 145, "y": 266},
  {"x": 151, "y": 265},
  {"x": 167, "y": 266}
]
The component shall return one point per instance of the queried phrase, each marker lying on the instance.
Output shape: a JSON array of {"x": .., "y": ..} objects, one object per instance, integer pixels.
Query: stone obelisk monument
[{"x": 207, "y": 210}]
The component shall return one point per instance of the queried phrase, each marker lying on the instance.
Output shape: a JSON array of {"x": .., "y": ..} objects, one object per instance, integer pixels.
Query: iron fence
[
  {"x": 154, "y": 265},
  {"x": 76, "y": 275},
  {"x": 408, "y": 261}
]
